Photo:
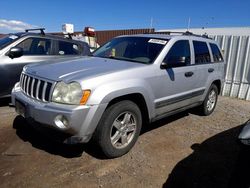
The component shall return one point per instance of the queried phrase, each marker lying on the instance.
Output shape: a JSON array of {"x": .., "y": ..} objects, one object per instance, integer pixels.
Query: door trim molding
[{"x": 173, "y": 100}]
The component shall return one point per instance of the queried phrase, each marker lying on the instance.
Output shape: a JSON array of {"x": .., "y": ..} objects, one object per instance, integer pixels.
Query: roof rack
[
  {"x": 38, "y": 29},
  {"x": 68, "y": 34},
  {"x": 188, "y": 33}
]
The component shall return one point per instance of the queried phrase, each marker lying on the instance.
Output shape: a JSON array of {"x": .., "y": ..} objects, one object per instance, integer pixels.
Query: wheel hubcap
[
  {"x": 211, "y": 100},
  {"x": 123, "y": 130}
]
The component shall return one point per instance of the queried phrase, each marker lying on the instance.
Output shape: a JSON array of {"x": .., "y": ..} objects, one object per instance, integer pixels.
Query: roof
[
  {"x": 160, "y": 36},
  {"x": 168, "y": 36},
  {"x": 52, "y": 36}
]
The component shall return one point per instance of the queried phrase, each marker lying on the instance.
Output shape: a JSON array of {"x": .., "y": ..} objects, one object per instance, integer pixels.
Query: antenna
[
  {"x": 188, "y": 26},
  {"x": 151, "y": 24}
]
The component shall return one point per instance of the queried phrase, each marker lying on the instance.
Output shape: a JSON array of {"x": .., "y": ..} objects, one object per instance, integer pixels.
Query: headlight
[{"x": 69, "y": 93}]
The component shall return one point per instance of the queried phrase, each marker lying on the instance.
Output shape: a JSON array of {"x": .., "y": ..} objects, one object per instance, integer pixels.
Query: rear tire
[
  {"x": 118, "y": 129},
  {"x": 209, "y": 104}
]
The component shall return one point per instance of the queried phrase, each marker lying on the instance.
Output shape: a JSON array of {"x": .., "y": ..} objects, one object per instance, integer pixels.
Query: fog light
[{"x": 61, "y": 122}]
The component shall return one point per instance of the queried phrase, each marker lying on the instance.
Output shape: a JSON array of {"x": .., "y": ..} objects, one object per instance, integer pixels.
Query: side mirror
[
  {"x": 164, "y": 65},
  {"x": 15, "y": 52},
  {"x": 173, "y": 62}
]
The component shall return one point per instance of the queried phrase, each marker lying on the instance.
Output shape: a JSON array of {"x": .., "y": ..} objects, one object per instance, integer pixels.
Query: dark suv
[{"x": 19, "y": 49}]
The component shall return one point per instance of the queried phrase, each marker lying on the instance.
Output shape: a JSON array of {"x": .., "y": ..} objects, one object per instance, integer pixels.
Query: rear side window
[
  {"x": 179, "y": 53},
  {"x": 68, "y": 48},
  {"x": 201, "y": 52},
  {"x": 36, "y": 46},
  {"x": 216, "y": 53}
]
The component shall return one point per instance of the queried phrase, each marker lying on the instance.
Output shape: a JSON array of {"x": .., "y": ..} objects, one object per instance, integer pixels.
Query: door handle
[
  {"x": 210, "y": 70},
  {"x": 189, "y": 74}
]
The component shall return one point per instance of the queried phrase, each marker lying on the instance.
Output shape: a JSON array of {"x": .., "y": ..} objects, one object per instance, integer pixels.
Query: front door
[
  {"x": 177, "y": 81},
  {"x": 34, "y": 50}
]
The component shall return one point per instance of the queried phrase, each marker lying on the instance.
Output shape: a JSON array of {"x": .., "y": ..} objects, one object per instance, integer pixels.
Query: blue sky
[{"x": 126, "y": 14}]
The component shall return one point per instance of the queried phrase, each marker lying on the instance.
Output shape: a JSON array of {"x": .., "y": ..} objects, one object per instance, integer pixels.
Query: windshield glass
[
  {"x": 7, "y": 40},
  {"x": 135, "y": 49}
]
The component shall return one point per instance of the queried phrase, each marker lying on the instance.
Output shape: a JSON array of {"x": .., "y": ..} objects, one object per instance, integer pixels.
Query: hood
[{"x": 83, "y": 67}]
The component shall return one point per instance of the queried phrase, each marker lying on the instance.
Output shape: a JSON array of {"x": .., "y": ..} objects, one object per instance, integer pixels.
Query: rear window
[
  {"x": 68, "y": 48},
  {"x": 216, "y": 53},
  {"x": 201, "y": 52}
]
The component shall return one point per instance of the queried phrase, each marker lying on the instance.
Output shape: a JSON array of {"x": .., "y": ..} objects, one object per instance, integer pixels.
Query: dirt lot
[{"x": 185, "y": 150}]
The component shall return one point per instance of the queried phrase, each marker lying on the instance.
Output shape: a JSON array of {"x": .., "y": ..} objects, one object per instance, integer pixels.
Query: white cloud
[{"x": 13, "y": 26}]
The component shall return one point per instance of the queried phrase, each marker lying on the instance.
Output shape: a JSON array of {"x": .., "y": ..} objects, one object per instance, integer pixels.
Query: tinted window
[
  {"x": 68, "y": 48},
  {"x": 179, "y": 53},
  {"x": 35, "y": 46},
  {"x": 201, "y": 52},
  {"x": 216, "y": 53},
  {"x": 135, "y": 49}
]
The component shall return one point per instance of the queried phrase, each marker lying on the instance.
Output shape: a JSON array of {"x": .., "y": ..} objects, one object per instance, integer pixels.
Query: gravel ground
[{"x": 185, "y": 150}]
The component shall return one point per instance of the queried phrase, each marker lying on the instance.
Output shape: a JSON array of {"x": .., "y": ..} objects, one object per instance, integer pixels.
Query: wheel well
[
  {"x": 138, "y": 99},
  {"x": 218, "y": 85}
]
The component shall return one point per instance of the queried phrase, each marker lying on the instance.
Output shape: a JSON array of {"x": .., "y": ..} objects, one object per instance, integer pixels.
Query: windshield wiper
[{"x": 122, "y": 59}]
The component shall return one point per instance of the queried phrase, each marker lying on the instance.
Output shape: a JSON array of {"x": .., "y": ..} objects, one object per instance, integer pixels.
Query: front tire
[
  {"x": 118, "y": 129},
  {"x": 210, "y": 101}
]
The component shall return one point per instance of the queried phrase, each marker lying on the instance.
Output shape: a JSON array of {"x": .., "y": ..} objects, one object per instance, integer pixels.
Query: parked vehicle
[
  {"x": 19, "y": 49},
  {"x": 244, "y": 136},
  {"x": 129, "y": 81}
]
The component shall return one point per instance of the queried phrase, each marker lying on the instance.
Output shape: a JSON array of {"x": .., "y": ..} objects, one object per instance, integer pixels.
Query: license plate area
[{"x": 20, "y": 108}]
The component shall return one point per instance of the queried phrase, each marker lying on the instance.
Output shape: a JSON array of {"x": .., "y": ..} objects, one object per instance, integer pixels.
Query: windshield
[
  {"x": 135, "y": 49},
  {"x": 7, "y": 40}
]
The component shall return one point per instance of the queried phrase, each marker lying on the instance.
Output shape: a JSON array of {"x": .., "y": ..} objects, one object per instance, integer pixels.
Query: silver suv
[
  {"x": 128, "y": 82},
  {"x": 19, "y": 49}
]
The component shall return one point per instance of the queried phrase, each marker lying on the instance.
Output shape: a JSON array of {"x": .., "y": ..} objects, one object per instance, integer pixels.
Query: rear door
[
  {"x": 218, "y": 61},
  {"x": 204, "y": 65}
]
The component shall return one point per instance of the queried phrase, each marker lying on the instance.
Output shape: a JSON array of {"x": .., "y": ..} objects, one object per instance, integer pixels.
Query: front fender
[{"x": 109, "y": 91}]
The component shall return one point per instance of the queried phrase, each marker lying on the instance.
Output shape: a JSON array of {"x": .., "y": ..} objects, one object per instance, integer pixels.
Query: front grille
[{"x": 36, "y": 88}]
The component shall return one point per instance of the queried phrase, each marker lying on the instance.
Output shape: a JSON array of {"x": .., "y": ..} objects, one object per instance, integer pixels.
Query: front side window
[
  {"x": 216, "y": 53},
  {"x": 35, "y": 46},
  {"x": 135, "y": 49},
  {"x": 68, "y": 48},
  {"x": 201, "y": 52},
  {"x": 179, "y": 54}
]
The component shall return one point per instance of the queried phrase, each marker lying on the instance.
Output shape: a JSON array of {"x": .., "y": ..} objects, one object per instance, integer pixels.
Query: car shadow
[
  {"x": 164, "y": 121},
  {"x": 220, "y": 161},
  {"x": 40, "y": 140},
  {"x": 5, "y": 101}
]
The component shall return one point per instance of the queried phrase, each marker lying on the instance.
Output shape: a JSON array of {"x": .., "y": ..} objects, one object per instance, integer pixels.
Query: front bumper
[{"x": 81, "y": 120}]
